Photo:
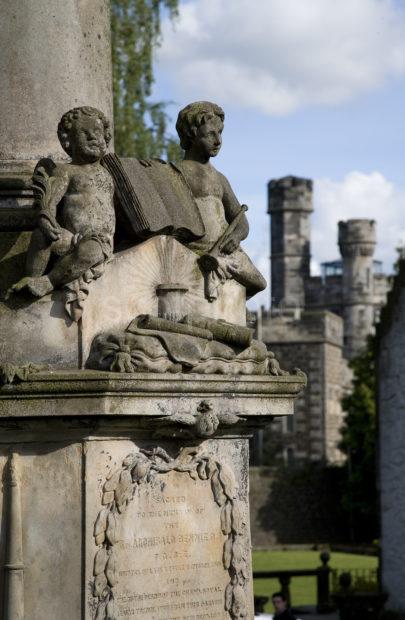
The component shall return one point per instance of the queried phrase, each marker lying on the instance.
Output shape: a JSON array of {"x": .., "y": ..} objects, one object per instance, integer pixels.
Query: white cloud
[
  {"x": 358, "y": 195},
  {"x": 279, "y": 55}
]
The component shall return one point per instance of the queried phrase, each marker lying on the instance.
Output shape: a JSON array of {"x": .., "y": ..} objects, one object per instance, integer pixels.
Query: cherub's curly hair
[
  {"x": 193, "y": 116},
  {"x": 69, "y": 118}
]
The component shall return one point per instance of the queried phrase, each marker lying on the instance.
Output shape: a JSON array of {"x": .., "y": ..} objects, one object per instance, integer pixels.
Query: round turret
[{"x": 357, "y": 237}]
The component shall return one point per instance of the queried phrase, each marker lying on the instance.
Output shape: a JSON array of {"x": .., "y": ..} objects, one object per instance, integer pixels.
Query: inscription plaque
[
  {"x": 170, "y": 540},
  {"x": 169, "y": 557}
]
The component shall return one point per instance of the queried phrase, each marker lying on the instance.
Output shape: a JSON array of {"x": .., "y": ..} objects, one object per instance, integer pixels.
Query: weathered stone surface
[
  {"x": 155, "y": 198},
  {"x": 36, "y": 329},
  {"x": 13, "y": 248},
  {"x": 40, "y": 331},
  {"x": 76, "y": 217},
  {"x": 196, "y": 496},
  {"x": 200, "y": 126},
  {"x": 290, "y": 207},
  {"x": 116, "y": 299},
  {"x": 391, "y": 426},
  {"x": 357, "y": 239},
  {"x": 94, "y": 393},
  {"x": 72, "y": 430},
  {"x": 16, "y": 198},
  {"x": 195, "y": 344},
  {"x": 50, "y": 480},
  {"x": 114, "y": 502},
  {"x": 41, "y": 81},
  {"x": 168, "y": 549},
  {"x": 3, "y": 512},
  {"x": 315, "y": 344}
]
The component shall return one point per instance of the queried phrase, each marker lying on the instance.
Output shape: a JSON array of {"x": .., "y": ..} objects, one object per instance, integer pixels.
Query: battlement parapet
[
  {"x": 357, "y": 237},
  {"x": 290, "y": 194}
]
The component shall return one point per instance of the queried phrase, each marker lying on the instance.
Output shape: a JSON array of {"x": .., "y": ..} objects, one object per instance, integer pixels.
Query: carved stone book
[{"x": 155, "y": 198}]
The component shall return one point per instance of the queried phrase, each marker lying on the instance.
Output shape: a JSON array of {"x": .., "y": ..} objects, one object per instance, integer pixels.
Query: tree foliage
[
  {"x": 140, "y": 125},
  {"x": 359, "y": 434}
]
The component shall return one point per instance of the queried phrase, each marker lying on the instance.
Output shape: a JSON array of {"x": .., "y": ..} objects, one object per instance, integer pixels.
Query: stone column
[
  {"x": 14, "y": 567},
  {"x": 357, "y": 244},
  {"x": 54, "y": 55}
]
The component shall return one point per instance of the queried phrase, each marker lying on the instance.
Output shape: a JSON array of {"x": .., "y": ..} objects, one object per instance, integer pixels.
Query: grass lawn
[{"x": 303, "y": 589}]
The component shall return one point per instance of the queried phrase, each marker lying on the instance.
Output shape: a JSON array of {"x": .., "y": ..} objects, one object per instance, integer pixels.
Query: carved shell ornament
[{"x": 119, "y": 489}]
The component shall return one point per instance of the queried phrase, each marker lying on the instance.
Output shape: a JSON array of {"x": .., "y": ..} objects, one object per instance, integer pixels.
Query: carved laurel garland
[{"x": 119, "y": 489}]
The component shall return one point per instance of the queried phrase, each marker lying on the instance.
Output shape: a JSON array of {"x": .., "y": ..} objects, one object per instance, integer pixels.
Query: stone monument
[{"x": 129, "y": 382}]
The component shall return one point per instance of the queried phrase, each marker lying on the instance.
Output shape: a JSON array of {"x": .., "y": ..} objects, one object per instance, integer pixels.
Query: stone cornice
[{"x": 96, "y": 393}]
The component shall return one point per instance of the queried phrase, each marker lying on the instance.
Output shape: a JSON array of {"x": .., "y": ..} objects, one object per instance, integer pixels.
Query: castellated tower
[
  {"x": 357, "y": 241},
  {"x": 290, "y": 207},
  {"x": 337, "y": 313}
]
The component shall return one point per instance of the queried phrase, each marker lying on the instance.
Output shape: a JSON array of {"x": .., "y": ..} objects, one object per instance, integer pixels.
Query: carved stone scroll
[
  {"x": 14, "y": 567},
  {"x": 120, "y": 489}
]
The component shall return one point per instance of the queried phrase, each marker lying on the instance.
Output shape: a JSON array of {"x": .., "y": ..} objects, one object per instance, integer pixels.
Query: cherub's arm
[
  {"x": 232, "y": 208},
  {"x": 49, "y": 189}
]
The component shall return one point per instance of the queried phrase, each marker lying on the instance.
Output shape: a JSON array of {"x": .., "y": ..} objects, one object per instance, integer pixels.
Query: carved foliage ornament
[
  {"x": 119, "y": 489},
  {"x": 10, "y": 373}
]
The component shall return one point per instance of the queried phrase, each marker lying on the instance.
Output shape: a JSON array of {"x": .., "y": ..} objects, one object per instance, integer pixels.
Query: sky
[{"x": 312, "y": 88}]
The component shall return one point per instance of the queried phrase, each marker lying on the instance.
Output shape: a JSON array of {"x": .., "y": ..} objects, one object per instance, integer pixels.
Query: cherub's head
[
  {"x": 84, "y": 134},
  {"x": 200, "y": 126}
]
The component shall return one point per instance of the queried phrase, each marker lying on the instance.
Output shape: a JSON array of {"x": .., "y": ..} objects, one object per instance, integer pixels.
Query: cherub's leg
[
  {"x": 87, "y": 253},
  {"x": 38, "y": 254}
]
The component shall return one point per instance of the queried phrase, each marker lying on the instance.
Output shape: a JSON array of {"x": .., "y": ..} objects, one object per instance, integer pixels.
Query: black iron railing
[{"x": 322, "y": 581}]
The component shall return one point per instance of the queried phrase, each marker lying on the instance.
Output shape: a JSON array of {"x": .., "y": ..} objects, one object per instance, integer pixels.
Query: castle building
[{"x": 320, "y": 322}]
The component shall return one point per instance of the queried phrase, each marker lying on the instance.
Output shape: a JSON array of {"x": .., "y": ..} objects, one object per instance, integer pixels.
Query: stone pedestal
[{"x": 127, "y": 495}]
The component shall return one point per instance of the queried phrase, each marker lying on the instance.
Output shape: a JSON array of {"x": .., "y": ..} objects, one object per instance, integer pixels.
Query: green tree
[
  {"x": 358, "y": 442},
  {"x": 140, "y": 125}
]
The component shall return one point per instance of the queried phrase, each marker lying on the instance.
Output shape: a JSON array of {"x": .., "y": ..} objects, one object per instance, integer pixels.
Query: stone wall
[
  {"x": 324, "y": 294},
  {"x": 391, "y": 415},
  {"x": 310, "y": 514},
  {"x": 313, "y": 342}
]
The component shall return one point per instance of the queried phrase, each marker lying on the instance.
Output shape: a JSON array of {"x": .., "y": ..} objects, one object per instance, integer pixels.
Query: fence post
[
  {"x": 285, "y": 587},
  {"x": 322, "y": 582}
]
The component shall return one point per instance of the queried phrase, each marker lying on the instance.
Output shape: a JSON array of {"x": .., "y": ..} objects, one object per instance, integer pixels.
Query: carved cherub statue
[
  {"x": 76, "y": 220},
  {"x": 200, "y": 126}
]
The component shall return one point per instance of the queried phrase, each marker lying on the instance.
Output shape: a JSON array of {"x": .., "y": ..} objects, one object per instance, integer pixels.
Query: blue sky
[{"x": 314, "y": 88}]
